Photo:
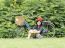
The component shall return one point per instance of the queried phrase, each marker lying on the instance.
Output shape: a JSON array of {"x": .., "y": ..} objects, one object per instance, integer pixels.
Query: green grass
[{"x": 33, "y": 43}]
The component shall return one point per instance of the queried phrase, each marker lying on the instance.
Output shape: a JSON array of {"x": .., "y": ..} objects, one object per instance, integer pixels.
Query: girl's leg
[{"x": 29, "y": 35}]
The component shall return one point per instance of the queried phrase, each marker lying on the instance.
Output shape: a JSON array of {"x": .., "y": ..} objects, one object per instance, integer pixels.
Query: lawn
[{"x": 33, "y": 43}]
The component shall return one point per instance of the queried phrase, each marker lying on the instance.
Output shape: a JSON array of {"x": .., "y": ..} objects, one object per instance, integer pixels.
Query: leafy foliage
[{"x": 50, "y": 10}]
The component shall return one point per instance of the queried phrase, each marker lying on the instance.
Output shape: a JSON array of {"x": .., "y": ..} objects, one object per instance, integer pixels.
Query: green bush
[{"x": 50, "y": 10}]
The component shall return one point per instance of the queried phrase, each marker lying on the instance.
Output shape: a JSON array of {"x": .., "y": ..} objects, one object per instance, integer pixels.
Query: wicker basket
[{"x": 19, "y": 20}]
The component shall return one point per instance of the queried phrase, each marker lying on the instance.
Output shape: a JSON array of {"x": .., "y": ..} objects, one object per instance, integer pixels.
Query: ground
[{"x": 33, "y": 43}]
